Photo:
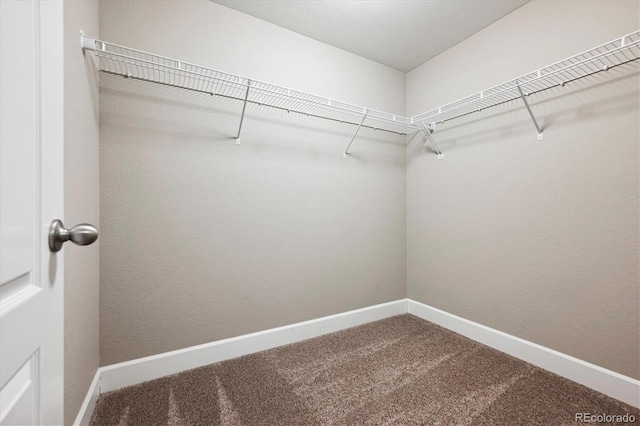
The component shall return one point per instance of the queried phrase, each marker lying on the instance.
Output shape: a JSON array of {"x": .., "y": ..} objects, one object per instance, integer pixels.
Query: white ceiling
[{"x": 399, "y": 33}]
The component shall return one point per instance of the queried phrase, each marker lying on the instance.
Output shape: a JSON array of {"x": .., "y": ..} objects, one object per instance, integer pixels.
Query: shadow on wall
[
  {"x": 567, "y": 106},
  {"x": 163, "y": 113},
  {"x": 94, "y": 87}
]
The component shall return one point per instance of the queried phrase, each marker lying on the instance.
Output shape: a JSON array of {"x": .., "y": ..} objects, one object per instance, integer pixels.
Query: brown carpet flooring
[{"x": 398, "y": 371}]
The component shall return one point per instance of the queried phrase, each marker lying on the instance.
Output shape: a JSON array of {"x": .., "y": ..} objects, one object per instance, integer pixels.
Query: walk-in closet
[{"x": 383, "y": 212}]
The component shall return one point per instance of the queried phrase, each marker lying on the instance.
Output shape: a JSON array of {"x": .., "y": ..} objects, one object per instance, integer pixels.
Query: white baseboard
[
  {"x": 89, "y": 404},
  {"x": 600, "y": 379},
  {"x": 136, "y": 371},
  {"x": 129, "y": 373}
]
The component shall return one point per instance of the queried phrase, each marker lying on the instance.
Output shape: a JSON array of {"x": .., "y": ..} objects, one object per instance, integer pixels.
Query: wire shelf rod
[
  {"x": 174, "y": 68},
  {"x": 261, "y": 90},
  {"x": 510, "y": 99},
  {"x": 526, "y": 80},
  {"x": 475, "y": 100},
  {"x": 132, "y": 63},
  {"x": 307, "y": 114}
]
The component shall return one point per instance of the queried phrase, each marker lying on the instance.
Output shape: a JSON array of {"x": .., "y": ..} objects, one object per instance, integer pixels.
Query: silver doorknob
[{"x": 82, "y": 235}]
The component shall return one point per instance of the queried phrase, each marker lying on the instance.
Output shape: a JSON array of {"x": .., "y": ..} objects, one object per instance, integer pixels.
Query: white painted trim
[
  {"x": 136, "y": 371},
  {"x": 86, "y": 410},
  {"x": 129, "y": 373},
  {"x": 600, "y": 379}
]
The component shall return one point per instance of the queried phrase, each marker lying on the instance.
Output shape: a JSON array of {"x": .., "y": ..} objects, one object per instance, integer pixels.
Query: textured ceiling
[{"x": 399, "y": 33}]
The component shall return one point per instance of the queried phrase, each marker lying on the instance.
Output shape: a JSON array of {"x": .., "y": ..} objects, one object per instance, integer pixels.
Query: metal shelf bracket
[
  {"x": 524, "y": 99},
  {"x": 244, "y": 107},
  {"x": 428, "y": 129},
  {"x": 346, "y": 151}
]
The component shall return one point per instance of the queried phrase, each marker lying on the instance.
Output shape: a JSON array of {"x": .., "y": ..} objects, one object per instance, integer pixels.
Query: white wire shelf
[
  {"x": 131, "y": 63},
  {"x": 135, "y": 64},
  {"x": 601, "y": 58}
]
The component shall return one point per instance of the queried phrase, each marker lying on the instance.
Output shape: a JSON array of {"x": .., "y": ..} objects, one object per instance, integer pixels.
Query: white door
[{"x": 31, "y": 196}]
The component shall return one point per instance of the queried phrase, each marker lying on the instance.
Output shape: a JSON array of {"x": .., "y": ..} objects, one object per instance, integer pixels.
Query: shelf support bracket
[
  {"x": 524, "y": 99},
  {"x": 432, "y": 141},
  {"x": 346, "y": 151},
  {"x": 244, "y": 107}
]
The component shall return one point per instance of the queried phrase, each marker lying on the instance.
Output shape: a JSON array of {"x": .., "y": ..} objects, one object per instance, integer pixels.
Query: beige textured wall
[
  {"x": 203, "y": 239},
  {"x": 81, "y": 204},
  {"x": 538, "y": 239}
]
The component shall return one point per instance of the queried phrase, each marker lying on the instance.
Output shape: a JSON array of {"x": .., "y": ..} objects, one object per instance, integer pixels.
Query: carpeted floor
[{"x": 398, "y": 371}]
